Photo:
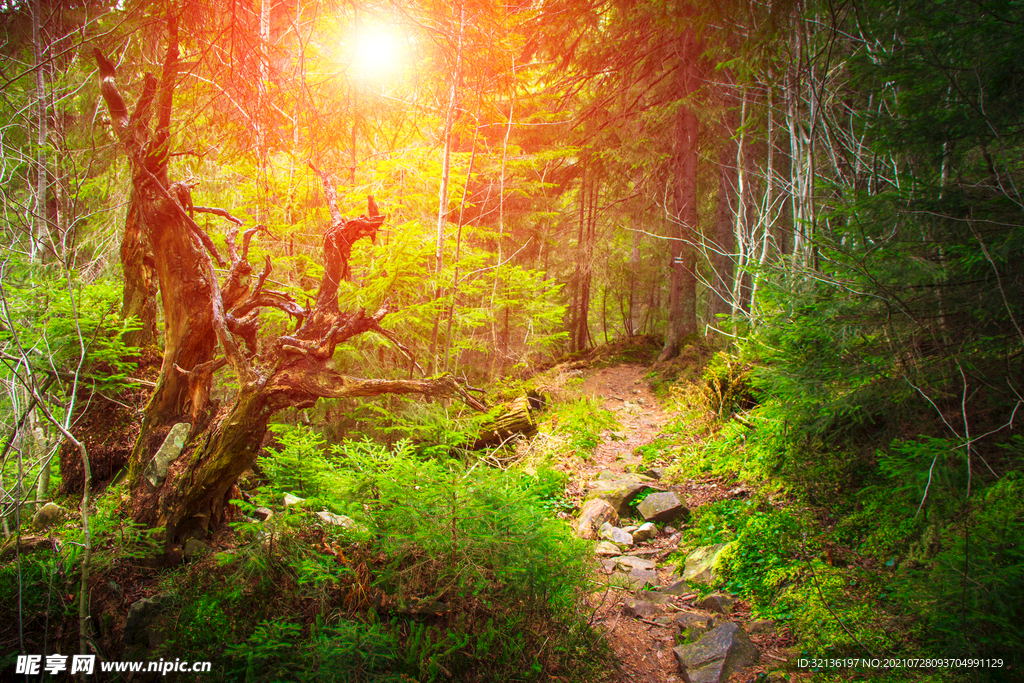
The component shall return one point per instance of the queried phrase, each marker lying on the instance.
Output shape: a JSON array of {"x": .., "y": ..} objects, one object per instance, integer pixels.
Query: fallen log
[{"x": 513, "y": 418}]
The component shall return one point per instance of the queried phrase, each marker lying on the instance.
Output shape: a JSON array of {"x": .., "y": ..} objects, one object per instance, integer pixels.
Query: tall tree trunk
[{"x": 682, "y": 308}]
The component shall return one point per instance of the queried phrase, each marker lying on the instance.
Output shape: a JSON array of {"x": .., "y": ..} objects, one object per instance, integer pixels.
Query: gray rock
[
  {"x": 46, "y": 516},
  {"x": 657, "y": 597},
  {"x": 654, "y": 472},
  {"x": 669, "y": 530},
  {"x": 618, "y": 492},
  {"x": 723, "y": 651},
  {"x": 641, "y": 578},
  {"x": 170, "y": 449},
  {"x": 691, "y": 620},
  {"x": 607, "y": 549},
  {"x": 677, "y": 588},
  {"x": 645, "y": 532},
  {"x": 615, "y": 535},
  {"x": 605, "y": 475},
  {"x": 140, "y": 616},
  {"x": 290, "y": 500},
  {"x": 718, "y": 602},
  {"x": 629, "y": 562},
  {"x": 338, "y": 520},
  {"x": 595, "y": 513},
  {"x": 194, "y": 547},
  {"x": 630, "y": 528},
  {"x": 639, "y": 608},
  {"x": 761, "y": 626},
  {"x": 700, "y": 564},
  {"x": 263, "y": 514},
  {"x": 662, "y": 506}
]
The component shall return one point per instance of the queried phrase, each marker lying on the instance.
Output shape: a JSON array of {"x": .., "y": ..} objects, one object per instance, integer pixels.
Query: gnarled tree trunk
[{"x": 203, "y": 316}]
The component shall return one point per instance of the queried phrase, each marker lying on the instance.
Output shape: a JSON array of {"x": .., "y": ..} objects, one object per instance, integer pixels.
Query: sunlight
[{"x": 377, "y": 51}]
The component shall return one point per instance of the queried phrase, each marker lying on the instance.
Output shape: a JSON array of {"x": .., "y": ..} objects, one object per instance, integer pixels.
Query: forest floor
[{"x": 642, "y": 647}]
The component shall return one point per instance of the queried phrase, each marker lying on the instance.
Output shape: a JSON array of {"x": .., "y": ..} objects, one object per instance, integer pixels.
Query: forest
[{"x": 650, "y": 341}]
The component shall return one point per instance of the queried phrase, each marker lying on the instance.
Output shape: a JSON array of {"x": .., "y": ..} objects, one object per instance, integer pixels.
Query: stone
[
  {"x": 719, "y": 654},
  {"x": 618, "y": 493},
  {"x": 615, "y": 535},
  {"x": 645, "y": 532},
  {"x": 630, "y": 528},
  {"x": 641, "y": 578},
  {"x": 691, "y": 620},
  {"x": 761, "y": 626},
  {"x": 629, "y": 562},
  {"x": 595, "y": 513},
  {"x": 639, "y": 608},
  {"x": 654, "y": 472},
  {"x": 679, "y": 587},
  {"x": 46, "y": 516},
  {"x": 290, "y": 500},
  {"x": 657, "y": 597},
  {"x": 338, "y": 520},
  {"x": 605, "y": 475},
  {"x": 606, "y": 549},
  {"x": 170, "y": 449},
  {"x": 662, "y": 506},
  {"x": 140, "y": 616},
  {"x": 669, "y": 530},
  {"x": 263, "y": 514},
  {"x": 194, "y": 547},
  {"x": 700, "y": 564},
  {"x": 718, "y": 602}
]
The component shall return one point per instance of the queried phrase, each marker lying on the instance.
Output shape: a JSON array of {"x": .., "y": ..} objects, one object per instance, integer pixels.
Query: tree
[{"x": 203, "y": 315}]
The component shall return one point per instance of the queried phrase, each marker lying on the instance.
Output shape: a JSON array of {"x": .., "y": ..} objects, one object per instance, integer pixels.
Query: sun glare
[{"x": 377, "y": 52}]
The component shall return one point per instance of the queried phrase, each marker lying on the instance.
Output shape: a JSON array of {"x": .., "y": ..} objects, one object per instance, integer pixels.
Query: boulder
[
  {"x": 615, "y": 535},
  {"x": 719, "y": 654},
  {"x": 46, "y": 516},
  {"x": 140, "y": 616},
  {"x": 263, "y": 514},
  {"x": 718, "y": 602},
  {"x": 662, "y": 506},
  {"x": 657, "y": 597},
  {"x": 170, "y": 449},
  {"x": 700, "y": 564},
  {"x": 629, "y": 562},
  {"x": 677, "y": 588},
  {"x": 618, "y": 493},
  {"x": 640, "y": 578},
  {"x": 290, "y": 500},
  {"x": 692, "y": 620},
  {"x": 645, "y": 532},
  {"x": 761, "y": 626},
  {"x": 595, "y": 513},
  {"x": 338, "y": 520},
  {"x": 639, "y": 608},
  {"x": 607, "y": 549},
  {"x": 194, "y": 547}
]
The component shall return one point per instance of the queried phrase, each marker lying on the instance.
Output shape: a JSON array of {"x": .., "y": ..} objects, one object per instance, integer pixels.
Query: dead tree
[{"x": 209, "y": 325}]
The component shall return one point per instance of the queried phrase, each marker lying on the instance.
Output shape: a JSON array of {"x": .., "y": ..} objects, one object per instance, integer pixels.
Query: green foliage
[{"x": 576, "y": 427}]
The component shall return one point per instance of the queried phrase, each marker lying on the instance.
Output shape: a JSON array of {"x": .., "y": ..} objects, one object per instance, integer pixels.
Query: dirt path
[{"x": 643, "y": 647}]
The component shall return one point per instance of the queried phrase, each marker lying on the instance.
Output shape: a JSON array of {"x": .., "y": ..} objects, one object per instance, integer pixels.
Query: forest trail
[{"x": 643, "y": 647}]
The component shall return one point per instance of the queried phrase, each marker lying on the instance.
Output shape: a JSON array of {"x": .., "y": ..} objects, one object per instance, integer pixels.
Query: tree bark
[
  {"x": 203, "y": 316},
  {"x": 682, "y": 310}
]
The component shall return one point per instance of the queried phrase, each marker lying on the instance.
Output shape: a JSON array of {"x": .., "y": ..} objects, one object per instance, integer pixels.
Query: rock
[
  {"x": 639, "y": 608},
  {"x": 662, "y": 506},
  {"x": 46, "y": 516},
  {"x": 605, "y": 475},
  {"x": 641, "y": 578},
  {"x": 194, "y": 547},
  {"x": 263, "y": 514},
  {"x": 700, "y": 564},
  {"x": 630, "y": 528},
  {"x": 140, "y": 616},
  {"x": 718, "y": 602},
  {"x": 615, "y": 535},
  {"x": 677, "y": 588},
  {"x": 645, "y": 532},
  {"x": 761, "y": 626},
  {"x": 595, "y": 513},
  {"x": 290, "y": 500},
  {"x": 618, "y": 492},
  {"x": 606, "y": 549},
  {"x": 338, "y": 520},
  {"x": 629, "y": 562},
  {"x": 657, "y": 597},
  {"x": 654, "y": 472},
  {"x": 723, "y": 651},
  {"x": 170, "y": 449},
  {"x": 692, "y": 620},
  {"x": 669, "y": 530}
]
